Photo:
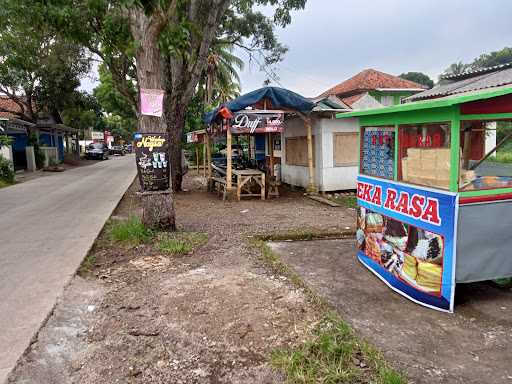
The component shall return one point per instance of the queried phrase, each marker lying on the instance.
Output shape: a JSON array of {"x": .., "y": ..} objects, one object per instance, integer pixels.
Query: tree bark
[{"x": 158, "y": 208}]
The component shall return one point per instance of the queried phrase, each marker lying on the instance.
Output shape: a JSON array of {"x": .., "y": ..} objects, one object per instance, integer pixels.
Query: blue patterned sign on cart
[{"x": 378, "y": 152}]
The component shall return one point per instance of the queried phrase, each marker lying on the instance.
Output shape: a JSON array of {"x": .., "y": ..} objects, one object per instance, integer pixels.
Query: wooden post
[
  {"x": 467, "y": 148},
  {"x": 271, "y": 153},
  {"x": 312, "y": 188},
  {"x": 197, "y": 158},
  {"x": 209, "y": 156},
  {"x": 204, "y": 158},
  {"x": 229, "y": 159}
]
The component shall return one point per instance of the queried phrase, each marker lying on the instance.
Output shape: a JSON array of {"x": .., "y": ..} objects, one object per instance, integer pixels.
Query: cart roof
[{"x": 433, "y": 103}]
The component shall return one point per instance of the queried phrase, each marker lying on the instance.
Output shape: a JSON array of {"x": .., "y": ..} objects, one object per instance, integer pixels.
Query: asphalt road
[{"x": 47, "y": 226}]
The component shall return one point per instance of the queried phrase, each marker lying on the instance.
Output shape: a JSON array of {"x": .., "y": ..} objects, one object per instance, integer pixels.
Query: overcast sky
[{"x": 332, "y": 40}]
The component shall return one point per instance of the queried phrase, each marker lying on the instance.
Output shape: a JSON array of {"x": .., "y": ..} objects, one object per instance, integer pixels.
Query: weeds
[
  {"x": 334, "y": 353},
  {"x": 345, "y": 201},
  {"x": 181, "y": 243},
  {"x": 87, "y": 264},
  {"x": 130, "y": 231}
]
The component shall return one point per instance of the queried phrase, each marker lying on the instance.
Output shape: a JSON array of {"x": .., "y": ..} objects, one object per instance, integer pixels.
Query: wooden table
[{"x": 243, "y": 176}]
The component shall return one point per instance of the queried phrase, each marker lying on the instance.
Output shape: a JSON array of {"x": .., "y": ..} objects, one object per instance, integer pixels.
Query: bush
[{"x": 6, "y": 171}]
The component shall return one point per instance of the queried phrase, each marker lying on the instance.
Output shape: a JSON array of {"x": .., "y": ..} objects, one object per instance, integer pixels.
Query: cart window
[
  {"x": 345, "y": 149},
  {"x": 486, "y": 155},
  {"x": 425, "y": 154},
  {"x": 378, "y": 152}
]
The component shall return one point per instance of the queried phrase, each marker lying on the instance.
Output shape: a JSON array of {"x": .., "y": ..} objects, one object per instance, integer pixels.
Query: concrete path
[
  {"x": 47, "y": 226},
  {"x": 471, "y": 346}
]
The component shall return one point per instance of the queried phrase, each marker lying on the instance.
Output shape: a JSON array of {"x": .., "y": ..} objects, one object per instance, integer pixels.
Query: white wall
[
  {"x": 6, "y": 153},
  {"x": 328, "y": 176},
  {"x": 293, "y": 174},
  {"x": 490, "y": 136},
  {"x": 335, "y": 178}
]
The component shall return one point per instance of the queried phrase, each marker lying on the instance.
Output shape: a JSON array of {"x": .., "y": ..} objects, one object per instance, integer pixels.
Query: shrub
[
  {"x": 130, "y": 231},
  {"x": 6, "y": 171}
]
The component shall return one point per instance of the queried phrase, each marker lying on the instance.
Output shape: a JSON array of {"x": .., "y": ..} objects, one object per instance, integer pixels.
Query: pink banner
[{"x": 151, "y": 102}]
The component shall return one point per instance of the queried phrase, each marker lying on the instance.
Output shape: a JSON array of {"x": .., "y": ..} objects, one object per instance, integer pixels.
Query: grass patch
[
  {"x": 305, "y": 234},
  {"x": 345, "y": 201},
  {"x": 130, "y": 231},
  {"x": 87, "y": 264},
  {"x": 333, "y": 355},
  {"x": 181, "y": 243},
  {"x": 4, "y": 184}
]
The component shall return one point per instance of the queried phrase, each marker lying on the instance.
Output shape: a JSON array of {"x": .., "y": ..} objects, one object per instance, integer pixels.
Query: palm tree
[
  {"x": 221, "y": 78},
  {"x": 456, "y": 68}
]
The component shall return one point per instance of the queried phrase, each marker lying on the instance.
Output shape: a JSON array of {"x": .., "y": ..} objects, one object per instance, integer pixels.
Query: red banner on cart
[{"x": 247, "y": 122}]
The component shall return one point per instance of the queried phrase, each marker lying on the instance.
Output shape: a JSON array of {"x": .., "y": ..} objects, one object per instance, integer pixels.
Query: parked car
[
  {"x": 117, "y": 150},
  {"x": 97, "y": 151}
]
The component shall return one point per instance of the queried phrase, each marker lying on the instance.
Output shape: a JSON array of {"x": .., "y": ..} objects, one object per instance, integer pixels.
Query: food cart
[{"x": 434, "y": 193}]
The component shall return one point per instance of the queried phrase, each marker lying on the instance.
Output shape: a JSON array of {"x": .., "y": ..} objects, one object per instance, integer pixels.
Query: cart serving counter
[{"x": 435, "y": 193}]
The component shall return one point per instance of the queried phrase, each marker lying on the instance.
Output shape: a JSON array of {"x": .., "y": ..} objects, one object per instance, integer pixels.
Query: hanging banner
[
  {"x": 407, "y": 235},
  {"x": 151, "y": 155},
  {"x": 257, "y": 122},
  {"x": 151, "y": 102}
]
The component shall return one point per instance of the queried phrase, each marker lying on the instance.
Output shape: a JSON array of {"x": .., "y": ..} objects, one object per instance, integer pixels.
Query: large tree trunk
[
  {"x": 175, "y": 114},
  {"x": 158, "y": 207}
]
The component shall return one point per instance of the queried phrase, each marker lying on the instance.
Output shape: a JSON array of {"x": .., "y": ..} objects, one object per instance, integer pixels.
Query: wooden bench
[{"x": 221, "y": 184}]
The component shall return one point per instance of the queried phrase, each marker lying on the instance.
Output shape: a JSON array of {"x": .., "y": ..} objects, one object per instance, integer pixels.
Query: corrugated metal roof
[
  {"x": 477, "y": 71},
  {"x": 477, "y": 82},
  {"x": 433, "y": 103}
]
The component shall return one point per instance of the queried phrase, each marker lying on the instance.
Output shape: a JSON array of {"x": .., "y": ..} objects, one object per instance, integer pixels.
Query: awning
[{"x": 279, "y": 98}]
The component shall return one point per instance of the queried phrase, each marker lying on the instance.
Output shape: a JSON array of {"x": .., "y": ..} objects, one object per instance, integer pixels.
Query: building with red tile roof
[{"x": 371, "y": 88}]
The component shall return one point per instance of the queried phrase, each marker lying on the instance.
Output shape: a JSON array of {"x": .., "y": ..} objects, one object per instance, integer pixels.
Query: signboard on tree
[{"x": 151, "y": 154}]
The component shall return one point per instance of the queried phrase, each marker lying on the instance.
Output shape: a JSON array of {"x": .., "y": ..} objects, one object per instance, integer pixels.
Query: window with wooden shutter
[
  {"x": 297, "y": 151},
  {"x": 346, "y": 149}
]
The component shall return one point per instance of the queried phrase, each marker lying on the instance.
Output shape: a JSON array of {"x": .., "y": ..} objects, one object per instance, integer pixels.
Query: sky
[{"x": 332, "y": 40}]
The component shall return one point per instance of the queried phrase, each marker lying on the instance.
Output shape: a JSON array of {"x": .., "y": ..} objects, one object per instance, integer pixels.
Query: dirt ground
[
  {"x": 212, "y": 316},
  {"x": 473, "y": 345}
]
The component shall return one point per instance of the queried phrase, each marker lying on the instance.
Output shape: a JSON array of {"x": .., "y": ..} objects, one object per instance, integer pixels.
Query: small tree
[{"x": 418, "y": 77}]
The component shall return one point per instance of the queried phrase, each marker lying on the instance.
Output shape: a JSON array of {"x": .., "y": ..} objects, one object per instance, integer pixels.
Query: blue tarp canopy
[{"x": 278, "y": 97}]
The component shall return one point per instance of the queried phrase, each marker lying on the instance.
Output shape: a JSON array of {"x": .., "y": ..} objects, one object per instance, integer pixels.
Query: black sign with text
[{"x": 152, "y": 157}]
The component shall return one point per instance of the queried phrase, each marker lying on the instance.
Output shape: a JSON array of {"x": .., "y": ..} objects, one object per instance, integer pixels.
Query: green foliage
[
  {"x": 130, "y": 231},
  {"x": 5, "y": 140},
  {"x": 6, "y": 171},
  {"x": 418, "y": 77},
  {"x": 333, "y": 355},
  {"x": 180, "y": 243},
  {"x": 490, "y": 59},
  {"x": 37, "y": 66}
]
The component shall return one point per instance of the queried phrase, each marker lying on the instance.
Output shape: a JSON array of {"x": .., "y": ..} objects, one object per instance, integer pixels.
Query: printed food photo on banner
[{"x": 412, "y": 255}]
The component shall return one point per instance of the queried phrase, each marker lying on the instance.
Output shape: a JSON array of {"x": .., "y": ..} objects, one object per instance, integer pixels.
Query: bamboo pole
[
  {"x": 228, "y": 158},
  {"x": 204, "y": 157},
  {"x": 197, "y": 158},
  {"x": 271, "y": 153},
  {"x": 312, "y": 188},
  {"x": 209, "y": 155}
]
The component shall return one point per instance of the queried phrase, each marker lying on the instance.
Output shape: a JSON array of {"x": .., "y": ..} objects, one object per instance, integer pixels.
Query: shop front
[{"x": 435, "y": 193}]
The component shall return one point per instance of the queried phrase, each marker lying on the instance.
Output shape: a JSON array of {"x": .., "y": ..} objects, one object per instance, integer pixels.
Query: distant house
[
  {"x": 371, "y": 88},
  {"x": 336, "y": 149},
  {"x": 49, "y": 129}
]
